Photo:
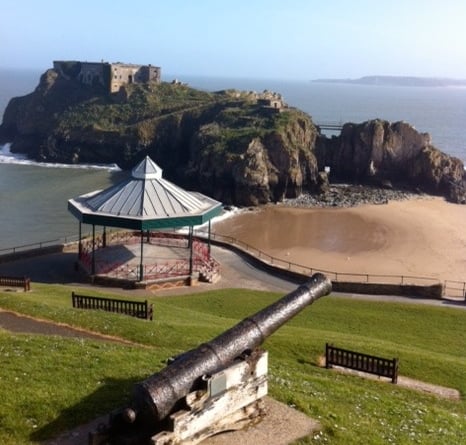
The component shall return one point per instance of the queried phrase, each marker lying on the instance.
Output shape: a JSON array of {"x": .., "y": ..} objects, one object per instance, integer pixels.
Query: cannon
[{"x": 214, "y": 387}]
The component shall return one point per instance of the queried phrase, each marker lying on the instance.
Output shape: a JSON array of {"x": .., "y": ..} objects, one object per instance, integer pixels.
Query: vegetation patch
[{"x": 133, "y": 104}]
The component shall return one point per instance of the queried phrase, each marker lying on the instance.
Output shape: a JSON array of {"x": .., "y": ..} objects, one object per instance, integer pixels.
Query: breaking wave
[{"x": 7, "y": 157}]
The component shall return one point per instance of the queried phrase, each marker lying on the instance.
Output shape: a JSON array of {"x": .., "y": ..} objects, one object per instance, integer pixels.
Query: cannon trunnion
[{"x": 215, "y": 387}]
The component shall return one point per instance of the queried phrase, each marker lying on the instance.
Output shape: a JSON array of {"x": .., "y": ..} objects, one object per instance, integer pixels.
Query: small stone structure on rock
[{"x": 271, "y": 102}]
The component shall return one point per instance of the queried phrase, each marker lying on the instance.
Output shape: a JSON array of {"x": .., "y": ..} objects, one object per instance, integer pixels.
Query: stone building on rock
[{"x": 111, "y": 76}]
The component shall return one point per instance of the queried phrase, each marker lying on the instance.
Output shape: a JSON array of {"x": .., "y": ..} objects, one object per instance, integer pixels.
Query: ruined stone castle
[{"x": 111, "y": 76}]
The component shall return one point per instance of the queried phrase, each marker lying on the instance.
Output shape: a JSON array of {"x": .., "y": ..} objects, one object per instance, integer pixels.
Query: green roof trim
[
  {"x": 143, "y": 202},
  {"x": 143, "y": 224}
]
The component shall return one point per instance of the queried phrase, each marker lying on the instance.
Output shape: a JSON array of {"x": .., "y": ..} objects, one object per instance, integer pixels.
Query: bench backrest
[
  {"x": 361, "y": 362},
  {"x": 16, "y": 282},
  {"x": 139, "y": 309}
]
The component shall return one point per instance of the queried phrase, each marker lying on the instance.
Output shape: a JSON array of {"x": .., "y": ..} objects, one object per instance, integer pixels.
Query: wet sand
[{"x": 419, "y": 237}]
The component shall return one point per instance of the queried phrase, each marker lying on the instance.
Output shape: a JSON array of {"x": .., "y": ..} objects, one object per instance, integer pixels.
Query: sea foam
[{"x": 7, "y": 157}]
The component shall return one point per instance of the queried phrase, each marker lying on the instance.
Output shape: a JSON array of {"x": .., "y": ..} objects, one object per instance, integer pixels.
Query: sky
[{"x": 268, "y": 39}]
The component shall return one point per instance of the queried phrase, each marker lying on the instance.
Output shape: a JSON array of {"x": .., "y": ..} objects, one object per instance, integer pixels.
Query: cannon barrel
[{"x": 155, "y": 397}]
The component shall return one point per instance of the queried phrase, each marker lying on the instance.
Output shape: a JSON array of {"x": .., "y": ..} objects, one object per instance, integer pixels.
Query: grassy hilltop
[{"x": 50, "y": 384}]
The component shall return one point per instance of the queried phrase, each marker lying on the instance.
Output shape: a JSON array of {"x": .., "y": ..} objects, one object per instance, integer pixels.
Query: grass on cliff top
[
  {"x": 49, "y": 384},
  {"x": 236, "y": 125},
  {"x": 144, "y": 101}
]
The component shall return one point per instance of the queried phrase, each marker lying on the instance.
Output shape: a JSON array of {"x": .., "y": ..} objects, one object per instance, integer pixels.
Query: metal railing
[
  {"x": 455, "y": 288},
  {"x": 38, "y": 245},
  {"x": 451, "y": 288}
]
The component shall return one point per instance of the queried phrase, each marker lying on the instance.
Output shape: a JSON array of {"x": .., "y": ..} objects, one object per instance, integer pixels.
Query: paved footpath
[{"x": 236, "y": 272}]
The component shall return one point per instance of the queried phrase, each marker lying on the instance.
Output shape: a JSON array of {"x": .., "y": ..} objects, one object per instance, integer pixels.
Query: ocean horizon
[{"x": 36, "y": 194}]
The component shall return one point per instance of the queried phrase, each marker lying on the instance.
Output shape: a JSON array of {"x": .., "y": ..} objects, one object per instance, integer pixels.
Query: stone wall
[
  {"x": 122, "y": 74},
  {"x": 112, "y": 76},
  {"x": 92, "y": 73},
  {"x": 434, "y": 291}
]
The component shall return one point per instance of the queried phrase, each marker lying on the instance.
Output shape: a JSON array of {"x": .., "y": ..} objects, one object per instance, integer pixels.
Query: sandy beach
[{"x": 423, "y": 237}]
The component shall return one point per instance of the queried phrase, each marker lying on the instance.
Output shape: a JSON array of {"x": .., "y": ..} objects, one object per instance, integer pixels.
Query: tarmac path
[
  {"x": 236, "y": 272},
  {"x": 59, "y": 268}
]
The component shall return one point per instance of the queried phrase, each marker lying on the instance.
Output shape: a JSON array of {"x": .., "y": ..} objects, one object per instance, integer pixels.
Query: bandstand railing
[
  {"x": 201, "y": 261},
  {"x": 454, "y": 289}
]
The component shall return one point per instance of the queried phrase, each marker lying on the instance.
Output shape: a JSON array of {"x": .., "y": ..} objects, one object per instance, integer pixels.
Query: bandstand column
[
  {"x": 104, "y": 237},
  {"x": 141, "y": 266},
  {"x": 93, "y": 251},
  {"x": 80, "y": 246},
  {"x": 208, "y": 239},
  {"x": 190, "y": 250}
]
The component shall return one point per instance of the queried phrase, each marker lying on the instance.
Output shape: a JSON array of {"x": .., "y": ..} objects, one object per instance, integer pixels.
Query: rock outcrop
[
  {"x": 240, "y": 148},
  {"x": 383, "y": 153},
  {"x": 256, "y": 169}
]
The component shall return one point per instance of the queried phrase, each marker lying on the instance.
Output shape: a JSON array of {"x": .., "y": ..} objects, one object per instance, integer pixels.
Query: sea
[{"x": 34, "y": 196}]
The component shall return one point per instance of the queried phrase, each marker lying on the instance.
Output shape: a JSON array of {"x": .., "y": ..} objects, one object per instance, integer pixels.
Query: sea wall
[
  {"x": 15, "y": 255},
  {"x": 434, "y": 291}
]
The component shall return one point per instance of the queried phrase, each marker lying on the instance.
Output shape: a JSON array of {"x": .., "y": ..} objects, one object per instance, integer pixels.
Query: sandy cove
[{"x": 423, "y": 237}]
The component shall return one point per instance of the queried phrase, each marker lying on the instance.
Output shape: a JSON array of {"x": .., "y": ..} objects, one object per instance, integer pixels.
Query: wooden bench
[
  {"x": 23, "y": 282},
  {"x": 361, "y": 362},
  {"x": 137, "y": 309}
]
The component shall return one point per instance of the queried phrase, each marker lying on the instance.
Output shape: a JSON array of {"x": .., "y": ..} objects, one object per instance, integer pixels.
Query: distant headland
[{"x": 402, "y": 81}]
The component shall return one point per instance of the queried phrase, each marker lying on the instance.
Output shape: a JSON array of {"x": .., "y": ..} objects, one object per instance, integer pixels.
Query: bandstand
[{"x": 144, "y": 247}]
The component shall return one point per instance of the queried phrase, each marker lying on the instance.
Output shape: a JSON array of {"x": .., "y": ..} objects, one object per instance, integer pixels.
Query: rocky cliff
[
  {"x": 241, "y": 148},
  {"x": 393, "y": 154}
]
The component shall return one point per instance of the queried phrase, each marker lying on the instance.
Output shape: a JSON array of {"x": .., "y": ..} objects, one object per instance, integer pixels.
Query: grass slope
[{"x": 49, "y": 384}]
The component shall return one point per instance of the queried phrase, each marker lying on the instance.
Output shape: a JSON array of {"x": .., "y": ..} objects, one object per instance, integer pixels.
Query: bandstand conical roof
[{"x": 144, "y": 201}]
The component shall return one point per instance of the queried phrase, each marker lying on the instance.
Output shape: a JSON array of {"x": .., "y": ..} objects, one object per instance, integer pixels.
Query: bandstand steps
[{"x": 209, "y": 276}]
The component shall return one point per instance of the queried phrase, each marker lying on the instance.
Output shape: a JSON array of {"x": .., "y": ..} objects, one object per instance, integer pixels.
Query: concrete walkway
[{"x": 236, "y": 272}]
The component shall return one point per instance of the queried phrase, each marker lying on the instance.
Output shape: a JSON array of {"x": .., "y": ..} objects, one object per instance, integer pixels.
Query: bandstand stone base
[{"x": 162, "y": 283}]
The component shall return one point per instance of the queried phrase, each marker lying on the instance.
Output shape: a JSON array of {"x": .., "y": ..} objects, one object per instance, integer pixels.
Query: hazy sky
[{"x": 283, "y": 39}]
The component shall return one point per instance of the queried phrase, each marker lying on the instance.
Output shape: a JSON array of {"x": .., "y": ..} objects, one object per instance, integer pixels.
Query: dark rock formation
[
  {"x": 255, "y": 169},
  {"x": 379, "y": 153},
  {"x": 30, "y": 120},
  {"x": 231, "y": 145},
  {"x": 345, "y": 195},
  {"x": 226, "y": 144}
]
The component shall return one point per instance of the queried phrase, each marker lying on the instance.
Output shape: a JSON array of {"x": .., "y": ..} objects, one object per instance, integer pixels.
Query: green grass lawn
[{"x": 49, "y": 384}]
